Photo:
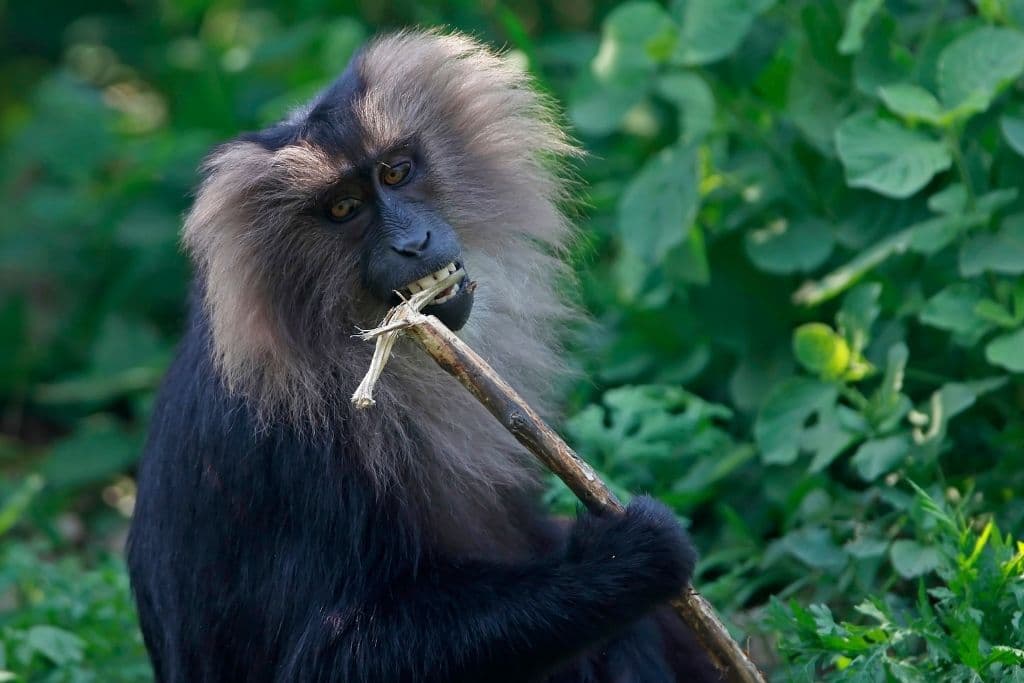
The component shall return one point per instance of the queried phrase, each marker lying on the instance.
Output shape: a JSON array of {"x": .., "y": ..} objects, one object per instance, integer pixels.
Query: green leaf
[
  {"x": 782, "y": 421},
  {"x": 975, "y": 66},
  {"x": 858, "y": 313},
  {"x": 953, "y": 309},
  {"x": 1007, "y": 351},
  {"x": 1013, "y": 131},
  {"x": 633, "y": 41},
  {"x": 789, "y": 246},
  {"x": 884, "y": 157},
  {"x": 911, "y": 102},
  {"x": 713, "y": 29},
  {"x": 688, "y": 262},
  {"x": 59, "y": 646},
  {"x": 15, "y": 505},
  {"x": 694, "y": 100},
  {"x": 814, "y": 547},
  {"x": 879, "y": 456},
  {"x": 657, "y": 210},
  {"x": 819, "y": 349},
  {"x": 998, "y": 252},
  {"x": 857, "y": 18},
  {"x": 911, "y": 559},
  {"x": 94, "y": 453}
]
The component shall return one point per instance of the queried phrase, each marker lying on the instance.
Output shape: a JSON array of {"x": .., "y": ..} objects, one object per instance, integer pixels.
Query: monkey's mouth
[{"x": 451, "y": 305}]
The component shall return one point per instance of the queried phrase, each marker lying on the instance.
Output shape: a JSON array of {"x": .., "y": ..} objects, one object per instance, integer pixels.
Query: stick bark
[{"x": 474, "y": 373}]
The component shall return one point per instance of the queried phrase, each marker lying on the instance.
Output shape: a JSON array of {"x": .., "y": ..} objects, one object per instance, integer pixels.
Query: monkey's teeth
[
  {"x": 452, "y": 291},
  {"x": 428, "y": 281}
]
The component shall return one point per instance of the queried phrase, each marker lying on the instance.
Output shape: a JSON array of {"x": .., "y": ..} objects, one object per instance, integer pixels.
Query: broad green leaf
[
  {"x": 879, "y": 456},
  {"x": 782, "y": 421},
  {"x": 59, "y": 646},
  {"x": 885, "y": 157},
  {"x": 1013, "y": 131},
  {"x": 1007, "y": 351},
  {"x": 998, "y": 252},
  {"x": 973, "y": 68},
  {"x": 92, "y": 454},
  {"x": 821, "y": 350},
  {"x": 911, "y": 102},
  {"x": 857, "y": 18},
  {"x": 635, "y": 37},
  {"x": 814, "y": 547},
  {"x": 656, "y": 211},
  {"x": 950, "y": 199},
  {"x": 786, "y": 246},
  {"x": 693, "y": 98},
  {"x": 835, "y": 429},
  {"x": 935, "y": 234},
  {"x": 953, "y": 309},
  {"x": 713, "y": 29},
  {"x": 688, "y": 262},
  {"x": 884, "y": 58},
  {"x": 598, "y": 109},
  {"x": 911, "y": 559}
]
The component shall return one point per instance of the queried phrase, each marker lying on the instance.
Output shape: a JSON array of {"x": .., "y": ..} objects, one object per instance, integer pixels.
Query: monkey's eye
[
  {"x": 345, "y": 208},
  {"x": 395, "y": 174}
]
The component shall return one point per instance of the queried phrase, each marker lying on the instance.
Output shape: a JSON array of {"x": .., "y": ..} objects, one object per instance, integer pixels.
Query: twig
[{"x": 474, "y": 373}]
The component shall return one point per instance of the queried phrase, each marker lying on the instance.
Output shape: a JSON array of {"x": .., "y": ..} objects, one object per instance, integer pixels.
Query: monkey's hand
[{"x": 642, "y": 556}]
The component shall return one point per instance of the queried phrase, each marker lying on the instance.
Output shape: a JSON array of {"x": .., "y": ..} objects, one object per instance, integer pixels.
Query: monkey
[{"x": 279, "y": 534}]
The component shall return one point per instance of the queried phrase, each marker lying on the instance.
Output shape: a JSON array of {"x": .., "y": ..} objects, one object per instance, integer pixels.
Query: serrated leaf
[
  {"x": 911, "y": 559},
  {"x": 879, "y": 456},
  {"x": 1007, "y": 351},
  {"x": 657, "y": 210},
  {"x": 713, "y": 29},
  {"x": 790, "y": 246},
  {"x": 885, "y": 157},
  {"x": 911, "y": 102},
  {"x": 975, "y": 66}
]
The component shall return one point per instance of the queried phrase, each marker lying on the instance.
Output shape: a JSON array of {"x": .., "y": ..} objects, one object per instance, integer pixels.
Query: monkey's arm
[{"x": 478, "y": 621}]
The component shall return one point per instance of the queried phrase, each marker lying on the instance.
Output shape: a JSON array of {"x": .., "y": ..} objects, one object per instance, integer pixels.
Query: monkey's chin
[{"x": 455, "y": 312}]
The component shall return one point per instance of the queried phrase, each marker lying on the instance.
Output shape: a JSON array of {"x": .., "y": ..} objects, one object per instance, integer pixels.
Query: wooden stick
[{"x": 474, "y": 373}]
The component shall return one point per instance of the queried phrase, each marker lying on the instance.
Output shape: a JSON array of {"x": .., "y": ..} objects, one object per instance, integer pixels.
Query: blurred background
[{"x": 803, "y": 249}]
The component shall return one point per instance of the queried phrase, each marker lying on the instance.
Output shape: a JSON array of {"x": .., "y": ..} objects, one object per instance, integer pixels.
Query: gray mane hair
[{"x": 283, "y": 295}]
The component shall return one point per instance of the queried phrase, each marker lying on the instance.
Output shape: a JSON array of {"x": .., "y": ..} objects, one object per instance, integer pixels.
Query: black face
[{"x": 405, "y": 245}]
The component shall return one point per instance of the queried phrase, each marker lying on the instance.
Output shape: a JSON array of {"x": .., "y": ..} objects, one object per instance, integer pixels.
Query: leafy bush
[{"x": 803, "y": 246}]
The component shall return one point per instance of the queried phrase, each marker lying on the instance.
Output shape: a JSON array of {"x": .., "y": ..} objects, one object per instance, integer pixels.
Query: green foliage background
[{"x": 803, "y": 247}]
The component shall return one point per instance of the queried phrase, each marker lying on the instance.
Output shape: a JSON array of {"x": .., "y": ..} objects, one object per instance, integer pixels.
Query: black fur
[{"x": 262, "y": 555}]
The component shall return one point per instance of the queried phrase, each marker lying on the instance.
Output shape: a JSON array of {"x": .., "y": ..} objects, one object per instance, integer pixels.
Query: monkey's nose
[{"x": 411, "y": 245}]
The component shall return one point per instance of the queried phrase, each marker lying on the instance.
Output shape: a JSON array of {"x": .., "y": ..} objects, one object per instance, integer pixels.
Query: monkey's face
[
  {"x": 429, "y": 156},
  {"x": 387, "y": 208}
]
